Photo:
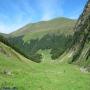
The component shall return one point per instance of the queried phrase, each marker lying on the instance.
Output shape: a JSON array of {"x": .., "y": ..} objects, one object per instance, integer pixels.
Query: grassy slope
[{"x": 50, "y": 75}]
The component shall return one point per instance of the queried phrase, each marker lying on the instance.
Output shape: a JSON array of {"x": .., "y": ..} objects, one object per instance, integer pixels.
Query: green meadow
[{"x": 19, "y": 73}]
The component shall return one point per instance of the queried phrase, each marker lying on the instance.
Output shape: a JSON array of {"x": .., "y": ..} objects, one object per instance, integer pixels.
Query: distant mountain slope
[
  {"x": 54, "y": 36},
  {"x": 3, "y": 34},
  {"x": 82, "y": 38},
  {"x": 55, "y": 24}
]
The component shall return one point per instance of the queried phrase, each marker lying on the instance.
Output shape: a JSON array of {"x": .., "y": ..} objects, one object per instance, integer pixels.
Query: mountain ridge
[{"x": 44, "y": 25}]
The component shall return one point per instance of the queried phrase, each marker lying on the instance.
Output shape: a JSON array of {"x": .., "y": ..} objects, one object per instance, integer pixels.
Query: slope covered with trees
[{"x": 54, "y": 35}]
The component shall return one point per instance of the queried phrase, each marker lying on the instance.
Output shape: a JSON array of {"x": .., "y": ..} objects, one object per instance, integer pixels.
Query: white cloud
[
  {"x": 50, "y": 8},
  {"x": 7, "y": 29},
  {"x": 23, "y": 13},
  {"x": 75, "y": 14}
]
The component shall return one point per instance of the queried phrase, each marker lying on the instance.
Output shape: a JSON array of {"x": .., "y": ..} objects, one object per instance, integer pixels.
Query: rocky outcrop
[
  {"x": 83, "y": 16},
  {"x": 81, "y": 39}
]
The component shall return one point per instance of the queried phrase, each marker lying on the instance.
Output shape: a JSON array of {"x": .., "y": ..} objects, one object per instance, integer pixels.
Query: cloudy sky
[{"x": 17, "y": 13}]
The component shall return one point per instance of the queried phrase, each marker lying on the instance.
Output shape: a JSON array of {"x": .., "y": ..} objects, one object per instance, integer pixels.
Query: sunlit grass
[{"x": 43, "y": 76}]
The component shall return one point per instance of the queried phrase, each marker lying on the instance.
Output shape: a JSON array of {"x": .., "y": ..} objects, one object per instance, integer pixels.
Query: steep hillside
[
  {"x": 81, "y": 38},
  {"x": 13, "y": 66},
  {"x": 33, "y": 39}
]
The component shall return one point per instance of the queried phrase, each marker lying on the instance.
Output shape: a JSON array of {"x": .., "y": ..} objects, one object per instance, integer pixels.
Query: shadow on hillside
[{"x": 56, "y": 43}]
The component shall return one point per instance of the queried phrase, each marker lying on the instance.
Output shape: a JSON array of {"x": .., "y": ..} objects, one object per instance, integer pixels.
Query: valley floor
[
  {"x": 43, "y": 76},
  {"x": 18, "y": 73}
]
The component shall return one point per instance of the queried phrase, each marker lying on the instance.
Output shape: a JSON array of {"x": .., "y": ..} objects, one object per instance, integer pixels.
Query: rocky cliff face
[{"x": 81, "y": 40}]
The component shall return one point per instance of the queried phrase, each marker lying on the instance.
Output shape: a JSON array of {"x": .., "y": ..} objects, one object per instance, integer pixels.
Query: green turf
[{"x": 48, "y": 75}]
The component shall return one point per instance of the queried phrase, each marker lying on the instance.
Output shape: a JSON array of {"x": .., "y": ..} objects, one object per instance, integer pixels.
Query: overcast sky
[{"x": 17, "y": 13}]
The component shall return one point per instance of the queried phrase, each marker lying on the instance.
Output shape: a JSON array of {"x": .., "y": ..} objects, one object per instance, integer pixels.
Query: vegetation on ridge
[{"x": 54, "y": 35}]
